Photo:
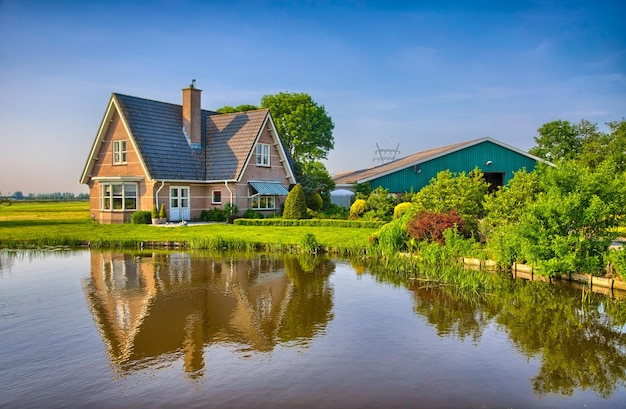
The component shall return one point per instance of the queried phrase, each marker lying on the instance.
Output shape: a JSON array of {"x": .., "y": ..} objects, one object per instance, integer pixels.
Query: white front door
[{"x": 179, "y": 203}]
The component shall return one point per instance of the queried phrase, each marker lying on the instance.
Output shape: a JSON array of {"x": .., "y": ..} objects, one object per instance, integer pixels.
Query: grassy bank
[{"x": 38, "y": 224}]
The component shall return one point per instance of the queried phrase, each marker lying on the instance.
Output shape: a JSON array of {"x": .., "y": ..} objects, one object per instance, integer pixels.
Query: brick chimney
[{"x": 191, "y": 115}]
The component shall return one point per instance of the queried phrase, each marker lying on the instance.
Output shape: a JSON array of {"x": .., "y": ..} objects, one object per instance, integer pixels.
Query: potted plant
[
  {"x": 155, "y": 215},
  {"x": 162, "y": 214}
]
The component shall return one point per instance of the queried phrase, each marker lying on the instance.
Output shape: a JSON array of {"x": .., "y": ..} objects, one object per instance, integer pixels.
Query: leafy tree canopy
[
  {"x": 227, "y": 109},
  {"x": 584, "y": 142},
  {"x": 570, "y": 225},
  {"x": 314, "y": 178},
  {"x": 557, "y": 140},
  {"x": 305, "y": 127},
  {"x": 506, "y": 205}
]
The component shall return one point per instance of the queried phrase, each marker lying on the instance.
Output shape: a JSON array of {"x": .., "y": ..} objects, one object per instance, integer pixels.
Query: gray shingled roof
[
  {"x": 157, "y": 128},
  {"x": 230, "y": 139}
]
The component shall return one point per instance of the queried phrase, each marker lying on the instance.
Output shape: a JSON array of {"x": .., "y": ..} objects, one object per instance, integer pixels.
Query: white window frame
[
  {"x": 263, "y": 154},
  {"x": 119, "y": 197},
  {"x": 213, "y": 193},
  {"x": 119, "y": 152},
  {"x": 264, "y": 202}
]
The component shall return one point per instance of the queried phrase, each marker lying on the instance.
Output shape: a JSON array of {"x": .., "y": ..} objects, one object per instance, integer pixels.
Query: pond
[{"x": 178, "y": 329}]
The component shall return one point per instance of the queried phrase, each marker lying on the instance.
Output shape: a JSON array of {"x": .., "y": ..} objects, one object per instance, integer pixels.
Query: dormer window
[
  {"x": 119, "y": 152},
  {"x": 262, "y": 154}
]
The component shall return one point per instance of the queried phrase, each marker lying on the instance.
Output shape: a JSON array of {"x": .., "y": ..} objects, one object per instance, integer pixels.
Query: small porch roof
[{"x": 269, "y": 188}]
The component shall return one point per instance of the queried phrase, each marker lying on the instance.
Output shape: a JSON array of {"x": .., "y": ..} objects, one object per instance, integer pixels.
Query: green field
[{"x": 37, "y": 224}]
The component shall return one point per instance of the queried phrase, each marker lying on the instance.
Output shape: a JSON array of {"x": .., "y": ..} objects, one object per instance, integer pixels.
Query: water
[{"x": 174, "y": 329}]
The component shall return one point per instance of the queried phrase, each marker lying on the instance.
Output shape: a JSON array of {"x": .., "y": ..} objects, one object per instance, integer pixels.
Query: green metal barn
[{"x": 497, "y": 160}]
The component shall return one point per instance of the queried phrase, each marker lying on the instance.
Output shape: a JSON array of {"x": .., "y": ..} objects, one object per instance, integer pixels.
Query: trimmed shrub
[
  {"x": 295, "y": 204},
  {"x": 252, "y": 214},
  {"x": 358, "y": 209},
  {"x": 315, "y": 202},
  {"x": 141, "y": 217},
  {"x": 214, "y": 215},
  {"x": 155, "y": 212},
  {"x": 231, "y": 209},
  {"x": 400, "y": 209},
  {"x": 430, "y": 226},
  {"x": 333, "y": 211},
  {"x": 269, "y": 221},
  {"x": 162, "y": 213}
]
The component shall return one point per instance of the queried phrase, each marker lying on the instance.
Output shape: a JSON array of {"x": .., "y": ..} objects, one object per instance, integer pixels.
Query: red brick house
[{"x": 148, "y": 152}]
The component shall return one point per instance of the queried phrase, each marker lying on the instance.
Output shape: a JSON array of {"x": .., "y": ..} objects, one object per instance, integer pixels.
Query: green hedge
[
  {"x": 141, "y": 217},
  {"x": 309, "y": 222}
]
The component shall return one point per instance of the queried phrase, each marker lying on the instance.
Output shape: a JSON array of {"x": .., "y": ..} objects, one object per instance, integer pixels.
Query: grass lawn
[{"x": 68, "y": 223}]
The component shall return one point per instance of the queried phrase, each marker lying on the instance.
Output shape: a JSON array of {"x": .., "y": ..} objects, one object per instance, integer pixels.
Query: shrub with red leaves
[{"x": 429, "y": 226}]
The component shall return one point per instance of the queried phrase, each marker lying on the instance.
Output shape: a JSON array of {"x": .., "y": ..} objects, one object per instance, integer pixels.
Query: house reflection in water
[{"x": 153, "y": 307}]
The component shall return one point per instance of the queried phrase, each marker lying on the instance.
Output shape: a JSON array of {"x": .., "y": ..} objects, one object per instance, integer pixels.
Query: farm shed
[{"x": 495, "y": 159}]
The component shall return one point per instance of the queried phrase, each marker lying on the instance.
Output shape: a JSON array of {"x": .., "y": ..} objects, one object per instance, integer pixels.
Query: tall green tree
[
  {"x": 227, "y": 109},
  {"x": 314, "y": 178},
  {"x": 617, "y": 144},
  {"x": 305, "y": 127},
  {"x": 557, "y": 140},
  {"x": 595, "y": 144}
]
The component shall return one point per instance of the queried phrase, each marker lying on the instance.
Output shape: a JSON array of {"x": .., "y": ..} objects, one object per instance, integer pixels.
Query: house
[
  {"x": 151, "y": 153},
  {"x": 495, "y": 159},
  {"x": 175, "y": 304}
]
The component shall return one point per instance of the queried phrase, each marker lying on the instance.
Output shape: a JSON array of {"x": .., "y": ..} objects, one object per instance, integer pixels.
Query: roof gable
[{"x": 230, "y": 140}]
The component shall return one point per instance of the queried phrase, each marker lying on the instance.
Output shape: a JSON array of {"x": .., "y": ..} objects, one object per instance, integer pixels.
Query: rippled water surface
[{"x": 174, "y": 329}]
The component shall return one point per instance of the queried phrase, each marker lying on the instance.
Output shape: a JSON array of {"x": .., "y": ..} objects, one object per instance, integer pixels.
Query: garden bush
[
  {"x": 400, "y": 209},
  {"x": 315, "y": 202},
  {"x": 141, "y": 217},
  {"x": 252, "y": 214},
  {"x": 333, "y": 211},
  {"x": 214, "y": 215},
  {"x": 295, "y": 204},
  {"x": 380, "y": 204},
  {"x": 358, "y": 209},
  {"x": 430, "y": 226}
]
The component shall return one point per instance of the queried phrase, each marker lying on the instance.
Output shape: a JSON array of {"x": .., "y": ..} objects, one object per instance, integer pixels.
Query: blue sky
[{"x": 416, "y": 74}]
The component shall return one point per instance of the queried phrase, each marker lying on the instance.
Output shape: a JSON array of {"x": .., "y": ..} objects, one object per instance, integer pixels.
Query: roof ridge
[
  {"x": 208, "y": 111},
  {"x": 242, "y": 112}
]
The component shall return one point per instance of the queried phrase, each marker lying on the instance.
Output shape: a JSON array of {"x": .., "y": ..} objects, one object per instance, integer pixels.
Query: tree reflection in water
[
  {"x": 580, "y": 341},
  {"x": 150, "y": 308}
]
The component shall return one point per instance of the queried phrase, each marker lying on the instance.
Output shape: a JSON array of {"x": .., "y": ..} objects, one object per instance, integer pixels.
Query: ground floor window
[
  {"x": 260, "y": 202},
  {"x": 119, "y": 196},
  {"x": 216, "y": 197}
]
